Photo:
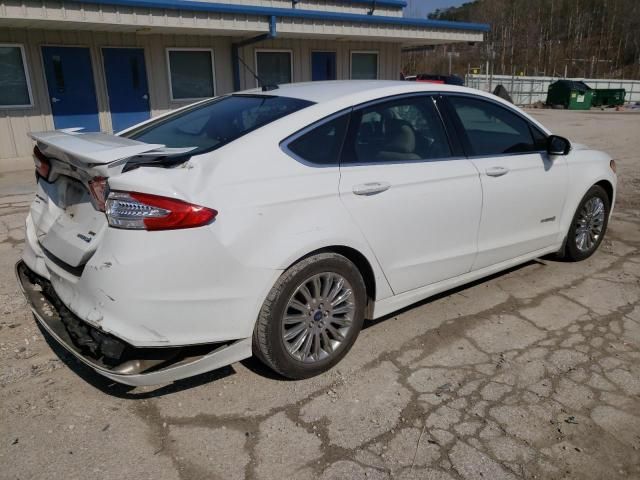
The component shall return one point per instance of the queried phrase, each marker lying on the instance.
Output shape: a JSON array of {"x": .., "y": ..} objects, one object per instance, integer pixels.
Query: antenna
[{"x": 265, "y": 87}]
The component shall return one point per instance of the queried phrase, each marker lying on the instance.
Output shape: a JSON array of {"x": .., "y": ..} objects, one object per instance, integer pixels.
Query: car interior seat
[{"x": 399, "y": 141}]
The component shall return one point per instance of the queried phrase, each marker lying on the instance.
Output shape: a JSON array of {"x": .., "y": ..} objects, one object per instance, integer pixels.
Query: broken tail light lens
[
  {"x": 143, "y": 211},
  {"x": 98, "y": 187},
  {"x": 43, "y": 165}
]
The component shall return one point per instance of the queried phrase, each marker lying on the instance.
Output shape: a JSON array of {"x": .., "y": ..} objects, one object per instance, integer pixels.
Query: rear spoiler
[{"x": 88, "y": 150}]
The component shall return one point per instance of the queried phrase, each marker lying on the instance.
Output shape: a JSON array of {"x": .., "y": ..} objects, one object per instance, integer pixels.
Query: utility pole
[
  {"x": 491, "y": 56},
  {"x": 451, "y": 55}
]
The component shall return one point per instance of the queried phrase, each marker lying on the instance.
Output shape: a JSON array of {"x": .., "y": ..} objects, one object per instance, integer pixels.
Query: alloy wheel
[
  {"x": 318, "y": 317},
  {"x": 589, "y": 224}
]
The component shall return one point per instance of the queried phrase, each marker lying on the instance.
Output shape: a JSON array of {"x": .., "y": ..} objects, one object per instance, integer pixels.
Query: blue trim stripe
[
  {"x": 378, "y": 3},
  {"x": 291, "y": 13}
]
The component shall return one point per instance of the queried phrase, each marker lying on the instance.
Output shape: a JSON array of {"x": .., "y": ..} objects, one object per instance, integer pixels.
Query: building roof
[
  {"x": 379, "y": 3},
  {"x": 294, "y": 13}
]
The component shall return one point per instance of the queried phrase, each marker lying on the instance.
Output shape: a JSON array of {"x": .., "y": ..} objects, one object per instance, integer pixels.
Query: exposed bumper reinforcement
[{"x": 134, "y": 366}]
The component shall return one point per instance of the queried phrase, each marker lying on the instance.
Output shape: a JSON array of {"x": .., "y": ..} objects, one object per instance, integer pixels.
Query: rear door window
[
  {"x": 210, "y": 125},
  {"x": 492, "y": 129},
  {"x": 406, "y": 129}
]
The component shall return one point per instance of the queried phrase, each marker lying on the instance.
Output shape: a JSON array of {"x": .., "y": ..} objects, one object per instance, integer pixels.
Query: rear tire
[
  {"x": 589, "y": 225},
  {"x": 311, "y": 317}
]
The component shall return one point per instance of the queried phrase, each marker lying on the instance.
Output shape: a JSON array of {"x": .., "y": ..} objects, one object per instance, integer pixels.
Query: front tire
[
  {"x": 589, "y": 224},
  {"x": 311, "y": 317}
]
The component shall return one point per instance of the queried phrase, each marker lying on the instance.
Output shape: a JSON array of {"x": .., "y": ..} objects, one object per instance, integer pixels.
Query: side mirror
[{"x": 557, "y": 145}]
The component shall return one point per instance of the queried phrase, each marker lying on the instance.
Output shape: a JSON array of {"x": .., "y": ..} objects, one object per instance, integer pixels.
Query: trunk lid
[{"x": 66, "y": 218}]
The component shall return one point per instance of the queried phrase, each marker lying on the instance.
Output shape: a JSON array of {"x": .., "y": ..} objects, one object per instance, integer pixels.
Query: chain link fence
[{"x": 529, "y": 90}]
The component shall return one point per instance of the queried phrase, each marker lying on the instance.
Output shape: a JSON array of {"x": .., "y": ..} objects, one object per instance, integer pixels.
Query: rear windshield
[{"x": 215, "y": 123}]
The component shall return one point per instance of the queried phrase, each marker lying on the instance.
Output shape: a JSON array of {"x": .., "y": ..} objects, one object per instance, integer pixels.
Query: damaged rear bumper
[{"x": 114, "y": 358}]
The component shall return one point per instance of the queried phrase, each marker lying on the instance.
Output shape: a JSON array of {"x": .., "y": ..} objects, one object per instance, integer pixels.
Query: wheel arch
[
  {"x": 583, "y": 176},
  {"x": 361, "y": 262},
  {"x": 608, "y": 187}
]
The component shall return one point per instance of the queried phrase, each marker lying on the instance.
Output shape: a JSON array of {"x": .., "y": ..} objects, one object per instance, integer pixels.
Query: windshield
[{"x": 215, "y": 123}]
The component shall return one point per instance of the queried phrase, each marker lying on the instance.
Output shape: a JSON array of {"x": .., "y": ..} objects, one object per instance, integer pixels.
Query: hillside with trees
[{"x": 582, "y": 38}]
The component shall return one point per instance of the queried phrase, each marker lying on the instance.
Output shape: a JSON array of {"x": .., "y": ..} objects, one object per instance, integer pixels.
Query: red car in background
[{"x": 428, "y": 78}]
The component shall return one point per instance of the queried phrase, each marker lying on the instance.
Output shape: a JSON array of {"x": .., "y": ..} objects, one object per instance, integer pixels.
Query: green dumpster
[
  {"x": 608, "y": 97},
  {"x": 570, "y": 94}
]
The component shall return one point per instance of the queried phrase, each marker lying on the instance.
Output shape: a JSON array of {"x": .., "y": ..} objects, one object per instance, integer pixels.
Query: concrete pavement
[{"x": 533, "y": 373}]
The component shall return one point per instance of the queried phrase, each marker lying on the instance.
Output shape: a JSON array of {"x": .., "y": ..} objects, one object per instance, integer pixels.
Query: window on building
[
  {"x": 364, "y": 65},
  {"x": 191, "y": 73},
  {"x": 274, "y": 66},
  {"x": 14, "y": 79}
]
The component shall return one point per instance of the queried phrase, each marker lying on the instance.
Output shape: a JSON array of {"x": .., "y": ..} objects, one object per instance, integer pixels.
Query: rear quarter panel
[
  {"x": 276, "y": 210},
  {"x": 273, "y": 209}
]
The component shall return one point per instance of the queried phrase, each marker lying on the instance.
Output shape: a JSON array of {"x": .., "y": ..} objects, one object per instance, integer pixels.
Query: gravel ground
[{"x": 534, "y": 373}]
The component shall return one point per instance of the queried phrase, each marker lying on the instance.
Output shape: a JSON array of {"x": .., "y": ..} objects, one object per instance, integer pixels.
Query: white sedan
[{"x": 274, "y": 221}]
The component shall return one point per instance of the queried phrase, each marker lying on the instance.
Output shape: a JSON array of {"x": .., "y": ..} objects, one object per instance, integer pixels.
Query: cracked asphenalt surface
[
  {"x": 505, "y": 392},
  {"x": 534, "y": 373}
]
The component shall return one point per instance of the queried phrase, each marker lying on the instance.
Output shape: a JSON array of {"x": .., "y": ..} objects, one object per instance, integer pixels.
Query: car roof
[
  {"x": 332, "y": 96},
  {"x": 323, "y": 91}
]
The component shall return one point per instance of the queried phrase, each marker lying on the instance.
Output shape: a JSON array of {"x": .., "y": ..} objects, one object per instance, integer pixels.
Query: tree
[{"x": 585, "y": 38}]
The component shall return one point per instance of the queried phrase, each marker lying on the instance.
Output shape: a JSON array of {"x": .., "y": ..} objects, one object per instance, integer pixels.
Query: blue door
[
  {"x": 71, "y": 88},
  {"x": 323, "y": 66},
  {"x": 127, "y": 86}
]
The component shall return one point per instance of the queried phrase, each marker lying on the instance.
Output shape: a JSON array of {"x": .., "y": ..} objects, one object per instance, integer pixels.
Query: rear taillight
[
  {"x": 43, "y": 165},
  {"x": 143, "y": 211},
  {"x": 98, "y": 188}
]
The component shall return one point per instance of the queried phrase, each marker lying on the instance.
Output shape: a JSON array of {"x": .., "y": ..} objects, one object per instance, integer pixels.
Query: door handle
[
  {"x": 54, "y": 100},
  {"x": 371, "y": 188},
  {"x": 145, "y": 97},
  {"x": 496, "y": 171}
]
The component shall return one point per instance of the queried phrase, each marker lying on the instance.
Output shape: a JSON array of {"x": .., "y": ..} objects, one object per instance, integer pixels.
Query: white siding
[
  {"x": 49, "y": 22},
  {"x": 105, "y": 17},
  {"x": 14, "y": 124},
  {"x": 325, "y": 6},
  {"x": 388, "y": 58},
  {"x": 374, "y": 32}
]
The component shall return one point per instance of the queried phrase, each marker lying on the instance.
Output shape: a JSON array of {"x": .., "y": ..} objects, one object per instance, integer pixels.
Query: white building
[{"x": 106, "y": 64}]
